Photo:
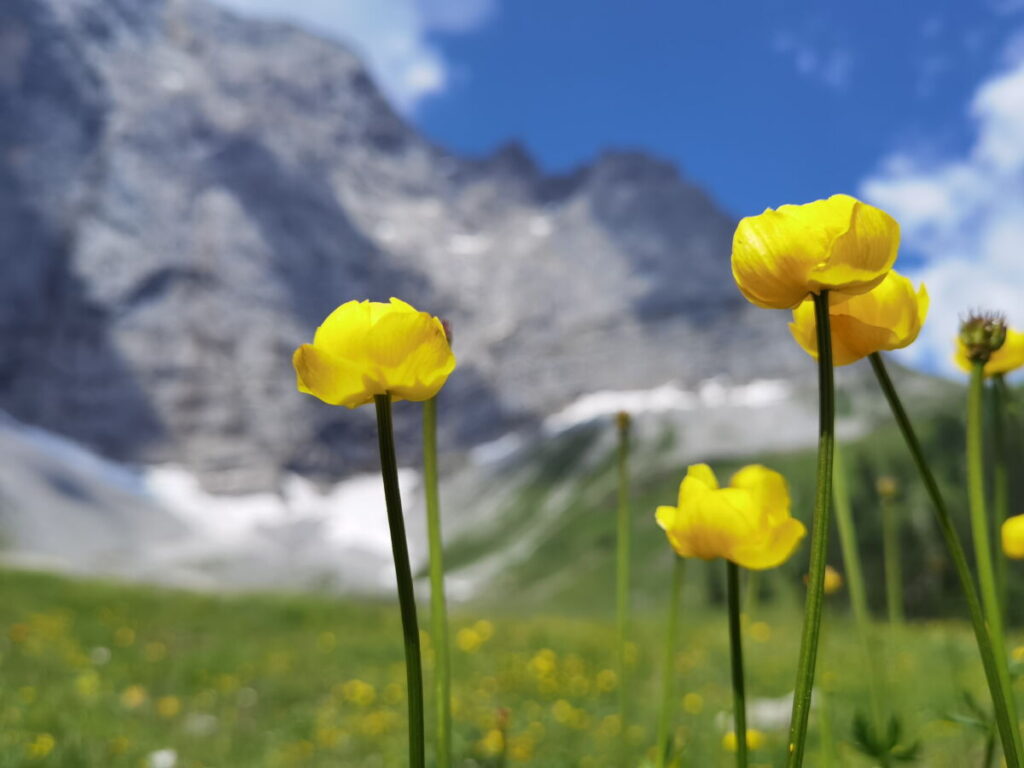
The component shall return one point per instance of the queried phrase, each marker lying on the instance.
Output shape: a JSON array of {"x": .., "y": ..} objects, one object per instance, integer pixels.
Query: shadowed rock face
[{"x": 184, "y": 194}]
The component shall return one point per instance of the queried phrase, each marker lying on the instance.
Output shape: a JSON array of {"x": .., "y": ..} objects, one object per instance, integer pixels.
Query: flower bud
[{"x": 982, "y": 333}]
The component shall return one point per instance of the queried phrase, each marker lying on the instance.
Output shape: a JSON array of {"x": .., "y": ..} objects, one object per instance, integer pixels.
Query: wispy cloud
[
  {"x": 391, "y": 35},
  {"x": 831, "y": 67},
  {"x": 964, "y": 215}
]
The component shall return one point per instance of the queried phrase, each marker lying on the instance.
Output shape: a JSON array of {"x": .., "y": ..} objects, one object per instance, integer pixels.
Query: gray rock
[{"x": 184, "y": 194}]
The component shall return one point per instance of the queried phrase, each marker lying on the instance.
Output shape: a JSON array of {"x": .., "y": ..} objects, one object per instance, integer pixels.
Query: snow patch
[{"x": 713, "y": 393}]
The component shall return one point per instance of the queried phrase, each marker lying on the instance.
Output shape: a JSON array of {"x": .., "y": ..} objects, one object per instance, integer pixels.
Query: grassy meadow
[{"x": 97, "y": 674}]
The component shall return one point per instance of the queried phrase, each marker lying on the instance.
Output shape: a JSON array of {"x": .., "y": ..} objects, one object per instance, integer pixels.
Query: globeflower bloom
[
  {"x": 748, "y": 523},
  {"x": 887, "y": 317},
  {"x": 1013, "y": 537},
  {"x": 1009, "y": 357},
  {"x": 841, "y": 244},
  {"x": 368, "y": 348}
]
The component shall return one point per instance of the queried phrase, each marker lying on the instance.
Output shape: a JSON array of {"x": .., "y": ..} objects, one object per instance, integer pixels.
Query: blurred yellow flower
[
  {"x": 493, "y": 743},
  {"x": 41, "y": 746},
  {"x": 168, "y": 706},
  {"x": 842, "y": 244},
  {"x": 755, "y": 739},
  {"x": 1008, "y": 357},
  {"x": 889, "y": 316},
  {"x": 1013, "y": 537},
  {"x": 468, "y": 640},
  {"x": 747, "y": 523},
  {"x": 133, "y": 696},
  {"x": 693, "y": 703},
  {"x": 833, "y": 580},
  {"x": 368, "y": 348}
]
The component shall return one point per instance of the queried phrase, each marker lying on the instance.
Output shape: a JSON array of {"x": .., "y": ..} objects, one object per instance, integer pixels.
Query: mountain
[{"x": 184, "y": 194}]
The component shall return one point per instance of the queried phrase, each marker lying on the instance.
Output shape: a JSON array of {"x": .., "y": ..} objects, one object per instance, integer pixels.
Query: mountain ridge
[{"x": 184, "y": 194}]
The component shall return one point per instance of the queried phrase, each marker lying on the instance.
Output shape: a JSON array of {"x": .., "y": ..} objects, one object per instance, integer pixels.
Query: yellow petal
[
  {"x": 411, "y": 351},
  {"x": 781, "y": 256},
  {"x": 888, "y": 317},
  {"x": 772, "y": 549},
  {"x": 862, "y": 254},
  {"x": 1013, "y": 537},
  {"x": 332, "y": 379},
  {"x": 767, "y": 488}
]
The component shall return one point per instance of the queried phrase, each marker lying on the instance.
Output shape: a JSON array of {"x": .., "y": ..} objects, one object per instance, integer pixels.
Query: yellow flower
[
  {"x": 754, "y": 740},
  {"x": 781, "y": 256},
  {"x": 889, "y": 316},
  {"x": 1008, "y": 357},
  {"x": 367, "y": 348},
  {"x": 748, "y": 523},
  {"x": 1013, "y": 537},
  {"x": 833, "y": 580}
]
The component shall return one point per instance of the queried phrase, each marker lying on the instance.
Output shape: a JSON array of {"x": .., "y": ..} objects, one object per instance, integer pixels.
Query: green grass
[{"x": 107, "y": 674}]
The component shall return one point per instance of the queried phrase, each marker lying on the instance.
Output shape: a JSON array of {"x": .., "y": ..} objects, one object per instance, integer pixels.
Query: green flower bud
[{"x": 982, "y": 333}]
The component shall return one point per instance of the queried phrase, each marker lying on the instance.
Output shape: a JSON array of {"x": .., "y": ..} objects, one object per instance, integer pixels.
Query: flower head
[
  {"x": 1013, "y": 537},
  {"x": 1009, "y": 357},
  {"x": 889, "y": 316},
  {"x": 981, "y": 335},
  {"x": 368, "y": 348},
  {"x": 842, "y": 244},
  {"x": 747, "y": 523}
]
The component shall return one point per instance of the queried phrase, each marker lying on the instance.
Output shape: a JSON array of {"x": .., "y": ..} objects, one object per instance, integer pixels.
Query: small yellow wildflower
[
  {"x": 607, "y": 680},
  {"x": 41, "y": 746},
  {"x": 761, "y": 631},
  {"x": 367, "y": 348},
  {"x": 693, "y": 703},
  {"x": 133, "y": 697},
  {"x": 168, "y": 706},
  {"x": 124, "y": 637},
  {"x": 493, "y": 743},
  {"x": 1013, "y": 537},
  {"x": 747, "y": 523},
  {"x": 755, "y": 739},
  {"x": 468, "y": 640}
]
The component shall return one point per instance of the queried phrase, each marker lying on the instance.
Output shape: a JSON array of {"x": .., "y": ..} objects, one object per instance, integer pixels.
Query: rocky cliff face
[{"x": 185, "y": 194}]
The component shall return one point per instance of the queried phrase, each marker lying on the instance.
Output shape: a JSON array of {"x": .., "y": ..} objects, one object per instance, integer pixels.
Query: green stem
[
  {"x": 622, "y": 565},
  {"x": 855, "y": 584},
  {"x": 819, "y": 539},
  {"x": 1009, "y": 732},
  {"x": 1000, "y": 479},
  {"x": 438, "y": 607},
  {"x": 668, "y": 675},
  {"x": 403, "y": 575},
  {"x": 981, "y": 530},
  {"x": 893, "y": 567},
  {"x": 739, "y": 696}
]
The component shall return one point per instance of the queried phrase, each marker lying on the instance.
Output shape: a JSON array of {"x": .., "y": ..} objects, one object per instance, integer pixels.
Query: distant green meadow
[{"x": 98, "y": 674}]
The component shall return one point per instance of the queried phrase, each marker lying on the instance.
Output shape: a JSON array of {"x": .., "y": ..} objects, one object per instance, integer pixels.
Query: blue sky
[{"x": 917, "y": 106}]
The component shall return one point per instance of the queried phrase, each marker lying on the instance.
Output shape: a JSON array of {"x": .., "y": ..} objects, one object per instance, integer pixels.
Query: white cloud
[
  {"x": 392, "y": 36},
  {"x": 832, "y": 67},
  {"x": 965, "y": 216}
]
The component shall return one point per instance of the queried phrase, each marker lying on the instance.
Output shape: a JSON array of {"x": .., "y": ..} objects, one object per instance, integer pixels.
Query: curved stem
[
  {"x": 403, "y": 575},
  {"x": 819, "y": 539},
  {"x": 668, "y": 675},
  {"x": 1009, "y": 732},
  {"x": 739, "y": 696},
  {"x": 438, "y": 606},
  {"x": 622, "y": 565}
]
